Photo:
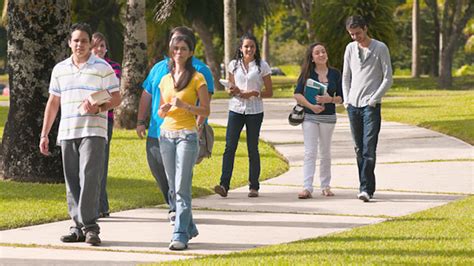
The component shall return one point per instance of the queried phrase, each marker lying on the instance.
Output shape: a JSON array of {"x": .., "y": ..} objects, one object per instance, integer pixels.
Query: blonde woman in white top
[{"x": 248, "y": 74}]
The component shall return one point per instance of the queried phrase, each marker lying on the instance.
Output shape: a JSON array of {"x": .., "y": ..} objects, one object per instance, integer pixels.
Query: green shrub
[
  {"x": 290, "y": 70},
  {"x": 402, "y": 72},
  {"x": 464, "y": 71}
]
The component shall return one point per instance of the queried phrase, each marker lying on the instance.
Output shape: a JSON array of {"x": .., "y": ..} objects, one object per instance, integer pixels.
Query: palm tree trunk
[
  {"x": 266, "y": 44},
  {"x": 230, "y": 31},
  {"x": 434, "y": 68},
  {"x": 209, "y": 51},
  {"x": 415, "y": 42},
  {"x": 37, "y": 40},
  {"x": 134, "y": 64}
]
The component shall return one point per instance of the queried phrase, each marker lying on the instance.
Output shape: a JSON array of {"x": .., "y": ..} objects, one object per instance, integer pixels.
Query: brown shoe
[
  {"x": 253, "y": 193},
  {"x": 221, "y": 191},
  {"x": 305, "y": 194}
]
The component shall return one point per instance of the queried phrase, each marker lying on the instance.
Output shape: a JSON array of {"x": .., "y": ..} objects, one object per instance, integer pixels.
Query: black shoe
[
  {"x": 72, "y": 237},
  {"x": 221, "y": 191},
  {"x": 92, "y": 238},
  {"x": 104, "y": 214}
]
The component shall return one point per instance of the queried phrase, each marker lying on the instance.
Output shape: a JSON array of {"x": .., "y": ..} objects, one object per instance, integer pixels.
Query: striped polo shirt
[{"x": 73, "y": 85}]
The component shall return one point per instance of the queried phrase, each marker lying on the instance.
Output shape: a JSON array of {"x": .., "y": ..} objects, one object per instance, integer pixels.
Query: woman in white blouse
[{"x": 248, "y": 74}]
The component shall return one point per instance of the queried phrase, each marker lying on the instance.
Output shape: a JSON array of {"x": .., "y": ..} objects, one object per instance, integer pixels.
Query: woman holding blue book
[{"x": 320, "y": 115}]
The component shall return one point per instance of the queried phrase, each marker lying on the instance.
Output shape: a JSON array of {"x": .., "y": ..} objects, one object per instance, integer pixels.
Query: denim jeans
[
  {"x": 179, "y": 156},
  {"x": 235, "y": 123},
  {"x": 155, "y": 162},
  {"x": 83, "y": 163},
  {"x": 365, "y": 126},
  {"x": 104, "y": 199}
]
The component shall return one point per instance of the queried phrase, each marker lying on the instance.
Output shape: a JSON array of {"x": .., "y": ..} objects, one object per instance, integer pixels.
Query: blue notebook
[{"x": 314, "y": 88}]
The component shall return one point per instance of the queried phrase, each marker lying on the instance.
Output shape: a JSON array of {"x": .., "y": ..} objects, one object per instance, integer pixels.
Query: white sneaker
[
  {"x": 172, "y": 217},
  {"x": 363, "y": 196},
  {"x": 177, "y": 245}
]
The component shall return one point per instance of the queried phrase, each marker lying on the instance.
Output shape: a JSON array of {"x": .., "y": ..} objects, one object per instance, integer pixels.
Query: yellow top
[{"x": 179, "y": 118}]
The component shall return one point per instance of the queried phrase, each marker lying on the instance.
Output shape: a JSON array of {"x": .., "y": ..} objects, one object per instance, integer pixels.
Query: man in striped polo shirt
[{"x": 82, "y": 134}]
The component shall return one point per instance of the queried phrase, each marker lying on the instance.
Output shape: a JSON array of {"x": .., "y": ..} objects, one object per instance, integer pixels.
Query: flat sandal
[
  {"x": 305, "y": 194},
  {"x": 327, "y": 192}
]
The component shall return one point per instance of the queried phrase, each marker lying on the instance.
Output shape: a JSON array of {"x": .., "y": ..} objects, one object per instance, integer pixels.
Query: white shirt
[
  {"x": 248, "y": 81},
  {"x": 73, "y": 85}
]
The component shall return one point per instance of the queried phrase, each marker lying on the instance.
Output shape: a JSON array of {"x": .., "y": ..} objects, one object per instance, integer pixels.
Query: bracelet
[
  {"x": 140, "y": 122},
  {"x": 43, "y": 136}
]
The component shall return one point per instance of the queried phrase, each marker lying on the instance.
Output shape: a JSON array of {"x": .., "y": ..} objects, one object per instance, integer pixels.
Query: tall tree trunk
[
  {"x": 134, "y": 64},
  {"x": 230, "y": 31},
  {"x": 37, "y": 39},
  {"x": 455, "y": 17},
  {"x": 266, "y": 44},
  {"x": 415, "y": 42},
  {"x": 434, "y": 68},
  {"x": 211, "y": 58}
]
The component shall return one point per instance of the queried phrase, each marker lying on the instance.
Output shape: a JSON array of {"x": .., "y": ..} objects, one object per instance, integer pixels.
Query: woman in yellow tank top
[{"x": 180, "y": 90}]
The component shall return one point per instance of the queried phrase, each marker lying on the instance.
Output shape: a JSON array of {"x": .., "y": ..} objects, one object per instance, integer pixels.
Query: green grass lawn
[
  {"x": 418, "y": 102},
  {"x": 438, "y": 236},
  {"x": 449, "y": 112},
  {"x": 130, "y": 183}
]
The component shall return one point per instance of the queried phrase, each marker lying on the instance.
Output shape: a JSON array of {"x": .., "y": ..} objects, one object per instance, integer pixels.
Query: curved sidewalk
[{"x": 416, "y": 169}]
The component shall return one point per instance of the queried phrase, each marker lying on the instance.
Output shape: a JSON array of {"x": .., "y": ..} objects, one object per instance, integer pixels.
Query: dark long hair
[
  {"x": 308, "y": 65},
  {"x": 239, "y": 55},
  {"x": 189, "y": 70}
]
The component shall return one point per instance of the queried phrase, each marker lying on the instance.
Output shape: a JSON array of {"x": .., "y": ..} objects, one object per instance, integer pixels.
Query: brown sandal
[
  {"x": 327, "y": 192},
  {"x": 305, "y": 194}
]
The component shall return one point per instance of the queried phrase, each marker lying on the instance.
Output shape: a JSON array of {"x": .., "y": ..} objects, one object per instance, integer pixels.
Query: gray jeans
[{"x": 83, "y": 165}]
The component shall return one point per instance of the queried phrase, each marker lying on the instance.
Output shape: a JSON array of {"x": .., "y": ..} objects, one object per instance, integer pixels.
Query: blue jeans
[
  {"x": 104, "y": 200},
  {"x": 155, "y": 162},
  {"x": 235, "y": 123},
  {"x": 179, "y": 156},
  {"x": 365, "y": 126}
]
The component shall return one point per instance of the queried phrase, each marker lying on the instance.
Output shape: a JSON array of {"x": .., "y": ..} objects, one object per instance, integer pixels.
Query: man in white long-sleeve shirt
[{"x": 367, "y": 75}]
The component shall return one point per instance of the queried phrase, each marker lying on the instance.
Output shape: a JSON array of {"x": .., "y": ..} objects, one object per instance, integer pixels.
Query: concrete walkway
[{"x": 417, "y": 169}]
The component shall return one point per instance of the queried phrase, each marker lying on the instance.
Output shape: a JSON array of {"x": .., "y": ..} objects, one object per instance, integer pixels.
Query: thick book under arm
[
  {"x": 96, "y": 98},
  {"x": 99, "y": 97}
]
